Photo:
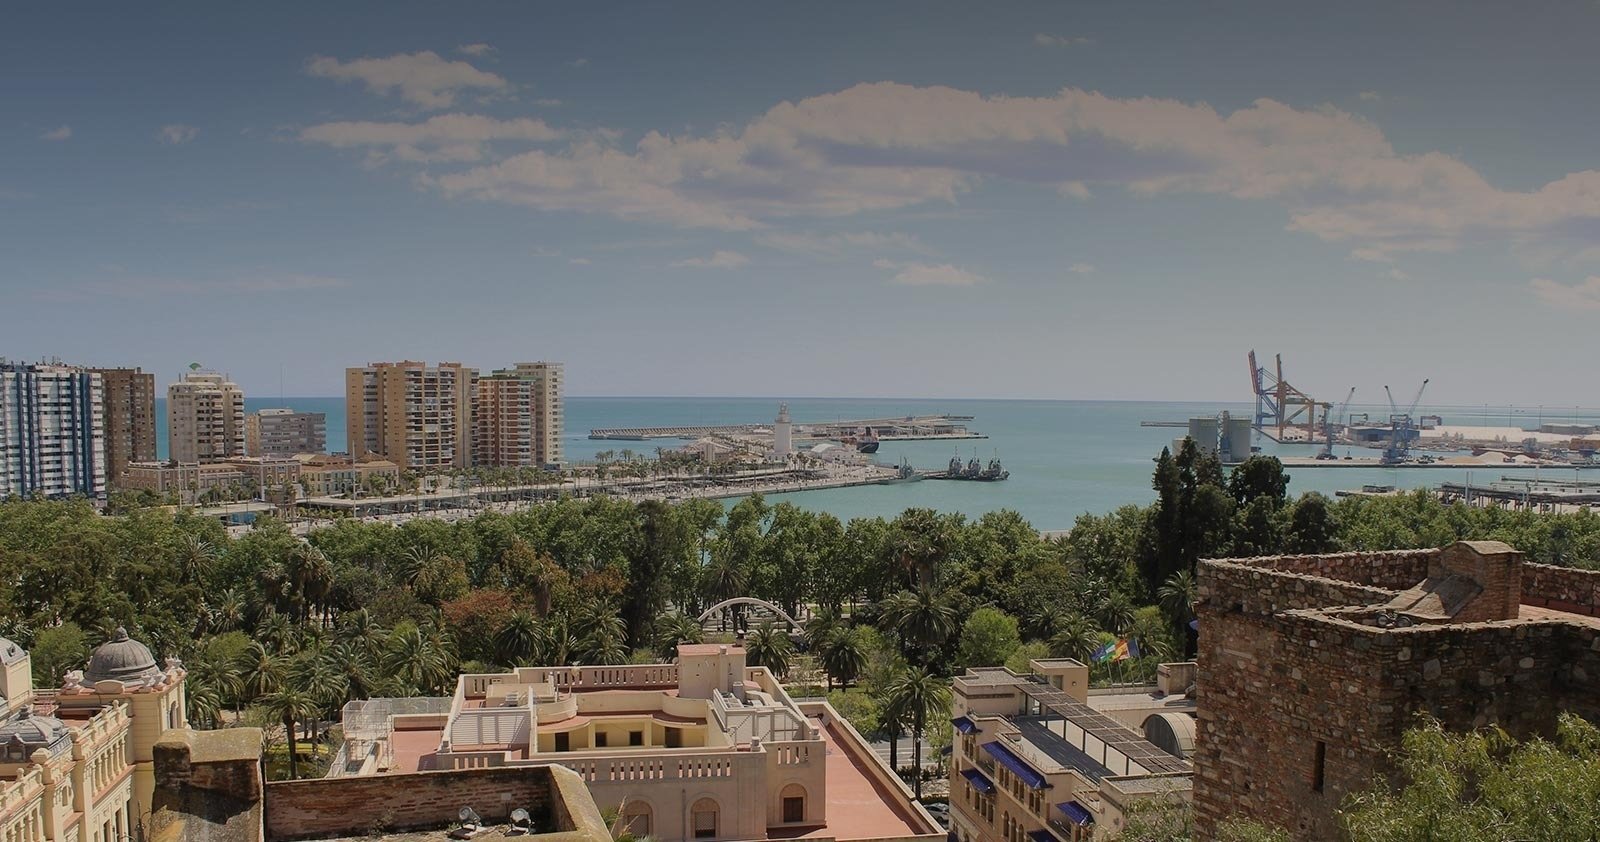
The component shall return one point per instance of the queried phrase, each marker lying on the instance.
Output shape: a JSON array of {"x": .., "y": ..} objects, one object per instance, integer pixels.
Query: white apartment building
[{"x": 52, "y": 431}]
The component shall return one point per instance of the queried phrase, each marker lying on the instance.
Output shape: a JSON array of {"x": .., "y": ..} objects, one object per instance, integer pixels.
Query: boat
[
  {"x": 973, "y": 471},
  {"x": 904, "y": 473},
  {"x": 867, "y": 443}
]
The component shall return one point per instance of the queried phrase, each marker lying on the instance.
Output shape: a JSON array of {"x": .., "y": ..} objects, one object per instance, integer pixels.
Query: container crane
[
  {"x": 1327, "y": 425},
  {"x": 1401, "y": 427}
]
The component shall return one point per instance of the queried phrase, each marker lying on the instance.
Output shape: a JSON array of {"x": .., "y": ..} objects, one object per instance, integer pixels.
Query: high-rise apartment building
[
  {"x": 129, "y": 407},
  {"x": 284, "y": 432},
  {"x": 415, "y": 415},
  {"x": 517, "y": 416},
  {"x": 205, "y": 418},
  {"x": 52, "y": 431}
]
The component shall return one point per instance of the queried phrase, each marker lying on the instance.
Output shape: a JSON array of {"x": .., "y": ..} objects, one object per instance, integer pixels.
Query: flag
[
  {"x": 1125, "y": 649},
  {"x": 1103, "y": 654}
]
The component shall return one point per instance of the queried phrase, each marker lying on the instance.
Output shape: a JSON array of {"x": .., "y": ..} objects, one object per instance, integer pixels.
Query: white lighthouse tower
[{"x": 782, "y": 434}]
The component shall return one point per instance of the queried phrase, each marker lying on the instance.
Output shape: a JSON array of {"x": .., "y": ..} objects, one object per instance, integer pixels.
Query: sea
[{"x": 1066, "y": 458}]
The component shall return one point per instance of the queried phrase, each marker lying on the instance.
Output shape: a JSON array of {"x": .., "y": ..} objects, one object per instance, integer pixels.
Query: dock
[
  {"x": 1456, "y": 462},
  {"x": 905, "y": 428}
]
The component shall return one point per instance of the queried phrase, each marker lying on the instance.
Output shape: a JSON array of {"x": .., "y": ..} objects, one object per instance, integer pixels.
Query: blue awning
[
  {"x": 1017, "y": 765},
  {"x": 1076, "y": 812},
  {"x": 978, "y": 781},
  {"x": 965, "y": 725},
  {"x": 1042, "y": 836}
]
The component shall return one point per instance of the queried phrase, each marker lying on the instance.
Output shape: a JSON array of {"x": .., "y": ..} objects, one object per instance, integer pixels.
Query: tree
[
  {"x": 988, "y": 638},
  {"x": 1177, "y": 596},
  {"x": 1313, "y": 527},
  {"x": 919, "y": 696},
  {"x": 1259, "y": 477},
  {"x": 57, "y": 650},
  {"x": 844, "y": 655},
  {"x": 1483, "y": 785},
  {"x": 769, "y": 646},
  {"x": 1076, "y": 637},
  {"x": 923, "y": 620},
  {"x": 292, "y": 706},
  {"x": 519, "y": 640}
]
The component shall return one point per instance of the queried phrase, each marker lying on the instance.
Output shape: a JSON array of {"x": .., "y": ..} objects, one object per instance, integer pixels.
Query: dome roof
[
  {"x": 121, "y": 659},
  {"x": 33, "y": 731}
]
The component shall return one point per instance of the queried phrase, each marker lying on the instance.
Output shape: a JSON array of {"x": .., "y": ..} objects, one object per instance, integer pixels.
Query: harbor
[{"x": 906, "y": 428}]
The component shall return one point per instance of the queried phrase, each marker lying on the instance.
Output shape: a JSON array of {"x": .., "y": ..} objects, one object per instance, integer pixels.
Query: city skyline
[{"x": 1049, "y": 202}]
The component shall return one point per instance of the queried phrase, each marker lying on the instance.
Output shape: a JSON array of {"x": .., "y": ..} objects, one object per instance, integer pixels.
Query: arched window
[
  {"x": 637, "y": 818},
  {"x": 793, "y": 799},
  {"x": 703, "y": 818}
]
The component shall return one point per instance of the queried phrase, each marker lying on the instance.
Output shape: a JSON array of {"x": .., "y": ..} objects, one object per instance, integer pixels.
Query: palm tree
[
  {"x": 196, "y": 557},
  {"x": 673, "y": 629},
  {"x": 291, "y": 705},
  {"x": 1115, "y": 614},
  {"x": 922, "y": 619},
  {"x": 520, "y": 641},
  {"x": 261, "y": 672},
  {"x": 355, "y": 665},
  {"x": 770, "y": 647},
  {"x": 844, "y": 656},
  {"x": 359, "y": 629},
  {"x": 229, "y": 613},
  {"x": 1076, "y": 637},
  {"x": 417, "y": 660},
  {"x": 1177, "y": 597},
  {"x": 205, "y": 703},
  {"x": 920, "y": 695}
]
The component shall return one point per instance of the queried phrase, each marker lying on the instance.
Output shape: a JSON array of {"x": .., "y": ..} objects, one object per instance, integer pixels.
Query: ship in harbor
[
  {"x": 866, "y": 443},
  {"x": 904, "y": 473},
  {"x": 972, "y": 471}
]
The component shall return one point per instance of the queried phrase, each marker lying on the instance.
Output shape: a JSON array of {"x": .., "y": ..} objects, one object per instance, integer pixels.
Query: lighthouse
[{"x": 782, "y": 434}]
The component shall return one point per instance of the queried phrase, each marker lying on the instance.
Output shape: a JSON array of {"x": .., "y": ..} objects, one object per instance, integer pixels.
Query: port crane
[
  {"x": 1401, "y": 427},
  {"x": 1327, "y": 425}
]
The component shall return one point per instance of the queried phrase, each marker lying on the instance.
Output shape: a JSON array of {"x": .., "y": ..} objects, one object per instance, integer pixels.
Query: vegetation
[{"x": 298, "y": 627}]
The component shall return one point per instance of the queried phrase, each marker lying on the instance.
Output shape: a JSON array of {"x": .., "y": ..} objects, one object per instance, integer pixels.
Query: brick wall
[{"x": 331, "y": 807}]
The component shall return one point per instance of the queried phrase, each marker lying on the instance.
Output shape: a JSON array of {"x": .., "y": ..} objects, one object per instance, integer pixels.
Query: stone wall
[
  {"x": 207, "y": 786},
  {"x": 1393, "y": 570},
  {"x": 355, "y": 806},
  {"x": 1303, "y": 699},
  {"x": 1561, "y": 588}
]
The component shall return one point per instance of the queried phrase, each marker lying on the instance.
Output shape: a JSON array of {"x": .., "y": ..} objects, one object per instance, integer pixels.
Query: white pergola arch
[{"x": 760, "y": 604}]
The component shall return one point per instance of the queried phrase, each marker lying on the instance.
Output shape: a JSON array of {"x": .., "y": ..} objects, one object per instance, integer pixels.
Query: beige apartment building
[
  {"x": 322, "y": 475},
  {"x": 517, "y": 417},
  {"x": 704, "y": 748},
  {"x": 1042, "y": 758},
  {"x": 205, "y": 418},
  {"x": 415, "y": 415},
  {"x": 128, "y": 396}
]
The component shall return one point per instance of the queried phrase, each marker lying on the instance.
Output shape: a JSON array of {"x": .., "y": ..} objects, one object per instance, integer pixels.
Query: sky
[{"x": 1019, "y": 200}]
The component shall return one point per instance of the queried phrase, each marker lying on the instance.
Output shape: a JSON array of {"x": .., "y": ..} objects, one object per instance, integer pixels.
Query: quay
[
  {"x": 1456, "y": 462},
  {"x": 905, "y": 428}
]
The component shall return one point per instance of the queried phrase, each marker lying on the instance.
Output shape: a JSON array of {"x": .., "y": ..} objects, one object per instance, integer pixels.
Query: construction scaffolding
[{"x": 1281, "y": 408}]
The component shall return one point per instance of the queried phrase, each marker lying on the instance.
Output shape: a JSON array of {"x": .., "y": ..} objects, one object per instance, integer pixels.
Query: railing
[
  {"x": 600, "y": 678},
  {"x": 768, "y": 722},
  {"x": 29, "y": 785},
  {"x": 791, "y": 754},
  {"x": 472, "y": 759},
  {"x": 666, "y": 767}
]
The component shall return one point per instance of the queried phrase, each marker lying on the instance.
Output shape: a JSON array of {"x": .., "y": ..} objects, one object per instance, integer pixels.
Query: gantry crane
[
  {"x": 1327, "y": 425},
  {"x": 1401, "y": 427}
]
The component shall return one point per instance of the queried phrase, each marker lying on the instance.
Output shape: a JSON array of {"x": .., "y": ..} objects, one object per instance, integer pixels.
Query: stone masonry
[{"x": 1311, "y": 668}]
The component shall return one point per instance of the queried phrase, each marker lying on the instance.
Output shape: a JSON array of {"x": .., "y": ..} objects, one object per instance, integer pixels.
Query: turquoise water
[{"x": 1065, "y": 457}]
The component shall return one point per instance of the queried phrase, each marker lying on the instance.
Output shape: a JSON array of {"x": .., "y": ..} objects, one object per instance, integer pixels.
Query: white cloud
[
  {"x": 475, "y": 49},
  {"x": 57, "y": 134},
  {"x": 1045, "y": 39},
  {"x": 547, "y": 103},
  {"x": 830, "y": 245},
  {"x": 580, "y": 261},
  {"x": 887, "y": 146},
  {"x": 177, "y": 134},
  {"x": 1584, "y": 295},
  {"x": 930, "y": 274},
  {"x": 1081, "y": 268},
  {"x": 578, "y": 62},
  {"x": 423, "y": 78},
  {"x": 1396, "y": 275},
  {"x": 1370, "y": 96},
  {"x": 445, "y": 137},
  {"x": 719, "y": 259}
]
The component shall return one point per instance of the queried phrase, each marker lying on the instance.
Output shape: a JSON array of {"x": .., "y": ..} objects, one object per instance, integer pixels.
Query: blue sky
[{"x": 1052, "y": 200}]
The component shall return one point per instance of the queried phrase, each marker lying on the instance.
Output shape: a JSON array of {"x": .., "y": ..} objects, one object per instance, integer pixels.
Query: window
[
  {"x": 638, "y": 816},
  {"x": 794, "y": 803},
  {"x": 704, "y": 822},
  {"x": 635, "y": 738},
  {"x": 1321, "y": 757},
  {"x": 599, "y": 739},
  {"x": 563, "y": 742}
]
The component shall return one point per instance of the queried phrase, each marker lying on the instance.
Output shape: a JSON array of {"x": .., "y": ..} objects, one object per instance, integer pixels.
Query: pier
[{"x": 905, "y": 428}]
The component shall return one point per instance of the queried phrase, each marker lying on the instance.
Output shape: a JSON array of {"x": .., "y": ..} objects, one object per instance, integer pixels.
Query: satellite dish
[
  {"x": 194, "y": 366},
  {"x": 469, "y": 816},
  {"x": 519, "y": 817}
]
